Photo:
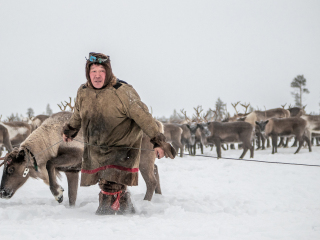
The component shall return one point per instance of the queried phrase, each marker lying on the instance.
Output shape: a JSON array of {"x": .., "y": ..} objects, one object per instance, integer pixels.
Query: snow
[{"x": 203, "y": 198}]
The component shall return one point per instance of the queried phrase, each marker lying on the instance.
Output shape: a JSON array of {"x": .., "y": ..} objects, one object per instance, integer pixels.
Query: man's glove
[
  {"x": 160, "y": 141},
  {"x": 69, "y": 131}
]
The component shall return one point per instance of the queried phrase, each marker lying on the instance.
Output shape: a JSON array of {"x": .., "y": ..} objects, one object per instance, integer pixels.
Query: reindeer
[
  {"x": 197, "y": 128},
  {"x": 313, "y": 124},
  {"x": 188, "y": 137},
  {"x": 296, "y": 111},
  {"x": 4, "y": 139},
  {"x": 46, "y": 163},
  {"x": 173, "y": 132},
  {"x": 231, "y": 132},
  {"x": 275, "y": 127},
  {"x": 237, "y": 117},
  {"x": 257, "y": 116},
  {"x": 18, "y": 131}
]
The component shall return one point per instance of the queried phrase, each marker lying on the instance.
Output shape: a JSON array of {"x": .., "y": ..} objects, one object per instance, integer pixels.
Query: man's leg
[{"x": 113, "y": 198}]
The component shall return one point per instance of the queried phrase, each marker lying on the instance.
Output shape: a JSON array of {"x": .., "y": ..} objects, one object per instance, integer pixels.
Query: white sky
[{"x": 177, "y": 54}]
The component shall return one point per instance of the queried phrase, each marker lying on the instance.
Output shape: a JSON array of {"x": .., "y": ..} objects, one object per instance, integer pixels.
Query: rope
[{"x": 253, "y": 160}]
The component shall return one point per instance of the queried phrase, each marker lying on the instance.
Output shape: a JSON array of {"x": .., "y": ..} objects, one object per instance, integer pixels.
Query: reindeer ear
[
  {"x": 267, "y": 121},
  {"x": 20, "y": 156},
  {"x": 257, "y": 122}
]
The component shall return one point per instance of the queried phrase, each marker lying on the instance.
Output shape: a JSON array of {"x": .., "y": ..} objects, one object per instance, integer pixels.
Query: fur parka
[{"x": 112, "y": 120}]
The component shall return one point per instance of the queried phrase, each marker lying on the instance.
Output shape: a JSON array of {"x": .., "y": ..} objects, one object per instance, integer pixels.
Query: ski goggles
[{"x": 97, "y": 60}]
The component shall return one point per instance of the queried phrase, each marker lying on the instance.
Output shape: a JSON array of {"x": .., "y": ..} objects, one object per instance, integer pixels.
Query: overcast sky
[{"x": 176, "y": 54}]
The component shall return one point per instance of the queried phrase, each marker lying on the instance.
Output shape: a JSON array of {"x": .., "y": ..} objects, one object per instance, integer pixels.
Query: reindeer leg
[
  {"x": 268, "y": 142},
  {"x": 251, "y": 151},
  {"x": 181, "y": 150},
  {"x": 55, "y": 188},
  {"x": 245, "y": 150},
  {"x": 300, "y": 144},
  {"x": 263, "y": 140},
  {"x": 295, "y": 142},
  {"x": 73, "y": 181},
  {"x": 194, "y": 149},
  {"x": 218, "y": 148},
  {"x": 258, "y": 141},
  {"x": 156, "y": 173},
  {"x": 148, "y": 174},
  {"x": 201, "y": 147},
  {"x": 274, "y": 143},
  {"x": 308, "y": 142},
  {"x": 66, "y": 159},
  {"x": 287, "y": 142},
  {"x": 281, "y": 142}
]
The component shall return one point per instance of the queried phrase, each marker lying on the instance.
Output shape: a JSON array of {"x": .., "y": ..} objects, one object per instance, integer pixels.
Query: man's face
[{"x": 97, "y": 75}]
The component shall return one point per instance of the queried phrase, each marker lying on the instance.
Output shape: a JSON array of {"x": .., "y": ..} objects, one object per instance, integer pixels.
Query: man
[{"x": 112, "y": 118}]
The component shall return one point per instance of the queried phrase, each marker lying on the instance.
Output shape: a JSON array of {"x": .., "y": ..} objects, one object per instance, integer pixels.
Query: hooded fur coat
[{"x": 112, "y": 119}]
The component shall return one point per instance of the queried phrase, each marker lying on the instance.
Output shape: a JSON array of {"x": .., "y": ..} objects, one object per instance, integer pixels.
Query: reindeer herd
[
  {"x": 35, "y": 149},
  {"x": 247, "y": 129}
]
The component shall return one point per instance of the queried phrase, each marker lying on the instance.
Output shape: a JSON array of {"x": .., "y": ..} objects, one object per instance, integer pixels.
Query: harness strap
[{"x": 116, "y": 205}]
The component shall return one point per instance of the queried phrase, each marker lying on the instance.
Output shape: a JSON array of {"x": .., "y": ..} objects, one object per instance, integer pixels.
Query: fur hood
[{"x": 110, "y": 78}]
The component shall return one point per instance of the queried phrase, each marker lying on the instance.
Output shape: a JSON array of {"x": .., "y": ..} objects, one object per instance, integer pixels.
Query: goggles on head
[{"x": 97, "y": 60}]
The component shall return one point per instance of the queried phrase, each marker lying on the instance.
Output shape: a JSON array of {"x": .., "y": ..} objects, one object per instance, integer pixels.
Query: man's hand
[
  {"x": 66, "y": 139},
  {"x": 159, "y": 152}
]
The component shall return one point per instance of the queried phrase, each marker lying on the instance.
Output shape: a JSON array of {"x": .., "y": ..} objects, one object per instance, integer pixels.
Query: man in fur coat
[{"x": 112, "y": 118}]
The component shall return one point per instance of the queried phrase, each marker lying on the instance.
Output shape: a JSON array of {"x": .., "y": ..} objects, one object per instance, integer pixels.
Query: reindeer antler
[
  {"x": 64, "y": 106},
  {"x": 204, "y": 117},
  {"x": 198, "y": 110},
  {"x": 234, "y": 105},
  {"x": 245, "y": 106},
  {"x": 68, "y": 104},
  {"x": 185, "y": 114},
  {"x": 0, "y": 117},
  {"x": 283, "y": 105},
  {"x": 215, "y": 113}
]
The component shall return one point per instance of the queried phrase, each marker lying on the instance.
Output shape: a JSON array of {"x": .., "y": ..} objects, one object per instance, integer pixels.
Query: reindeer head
[
  {"x": 262, "y": 125},
  {"x": 13, "y": 169}
]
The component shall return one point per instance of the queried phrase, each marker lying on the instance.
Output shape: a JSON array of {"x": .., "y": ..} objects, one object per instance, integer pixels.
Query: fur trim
[{"x": 110, "y": 78}]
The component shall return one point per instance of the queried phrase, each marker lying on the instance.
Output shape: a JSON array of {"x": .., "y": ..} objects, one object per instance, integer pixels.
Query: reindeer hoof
[{"x": 59, "y": 197}]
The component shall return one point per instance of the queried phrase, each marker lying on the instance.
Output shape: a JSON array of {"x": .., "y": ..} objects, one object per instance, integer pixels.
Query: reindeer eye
[{"x": 10, "y": 170}]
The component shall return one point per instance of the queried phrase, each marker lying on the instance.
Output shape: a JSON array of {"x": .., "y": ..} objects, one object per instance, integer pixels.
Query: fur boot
[
  {"x": 126, "y": 206},
  {"x": 105, "y": 202}
]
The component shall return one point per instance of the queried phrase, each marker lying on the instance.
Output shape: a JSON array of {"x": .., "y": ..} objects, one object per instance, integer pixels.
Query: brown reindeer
[
  {"x": 257, "y": 116},
  {"x": 287, "y": 127},
  {"x": 231, "y": 132},
  {"x": 46, "y": 162},
  {"x": 18, "y": 131},
  {"x": 313, "y": 124},
  {"x": 4, "y": 140},
  {"x": 173, "y": 132}
]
